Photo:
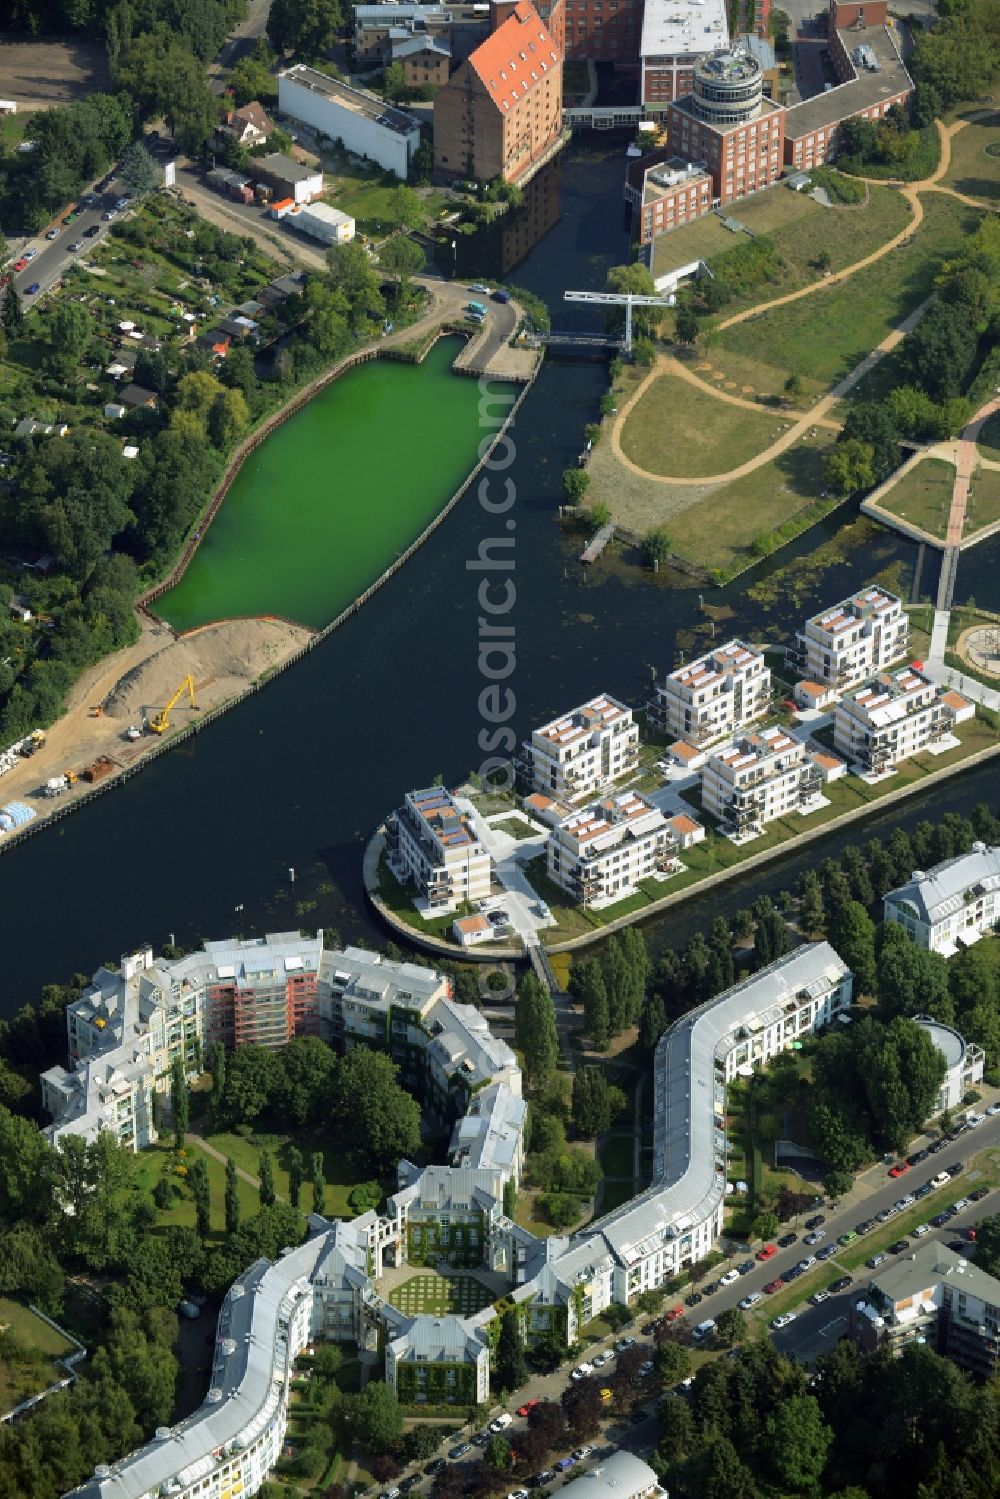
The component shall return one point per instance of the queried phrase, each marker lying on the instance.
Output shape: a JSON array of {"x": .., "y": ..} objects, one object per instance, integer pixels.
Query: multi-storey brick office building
[
  {"x": 500, "y": 113},
  {"x": 727, "y": 125},
  {"x": 676, "y": 35}
]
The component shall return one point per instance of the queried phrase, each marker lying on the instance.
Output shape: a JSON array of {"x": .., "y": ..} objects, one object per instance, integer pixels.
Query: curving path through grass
[{"x": 817, "y": 415}]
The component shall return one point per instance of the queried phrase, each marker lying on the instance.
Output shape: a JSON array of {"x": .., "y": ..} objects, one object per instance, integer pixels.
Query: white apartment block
[
  {"x": 577, "y": 754},
  {"x": 760, "y": 777},
  {"x": 894, "y": 716},
  {"x": 857, "y": 638},
  {"x": 430, "y": 841},
  {"x": 712, "y": 697},
  {"x": 603, "y": 852},
  {"x": 951, "y": 905}
]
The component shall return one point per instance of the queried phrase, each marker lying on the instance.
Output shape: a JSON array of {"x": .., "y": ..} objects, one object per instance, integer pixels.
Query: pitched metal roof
[{"x": 944, "y": 890}]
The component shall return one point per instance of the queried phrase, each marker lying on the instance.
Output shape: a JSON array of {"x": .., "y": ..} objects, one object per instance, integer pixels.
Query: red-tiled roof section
[{"x": 516, "y": 57}]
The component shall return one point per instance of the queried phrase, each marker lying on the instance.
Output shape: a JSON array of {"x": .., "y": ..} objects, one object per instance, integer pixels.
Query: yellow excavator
[{"x": 160, "y": 722}]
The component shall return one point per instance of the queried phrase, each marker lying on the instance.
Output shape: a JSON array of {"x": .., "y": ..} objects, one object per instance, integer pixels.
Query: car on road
[
  {"x": 816, "y": 1221},
  {"x": 847, "y": 1238},
  {"x": 749, "y": 1301},
  {"x": 22, "y": 264},
  {"x": 582, "y": 1370},
  {"x": 773, "y": 1285},
  {"x": 459, "y": 1450},
  {"x": 815, "y": 1236},
  {"x": 30, "y": 291},
  {"x": 900, "y": 1169},
  {"x": 956, "y": 1169},
  {"x": 624, "y": 1343},
  {"x": 729, "y": 1278},
  {"x": 673, "y": 1314},
  {"x": 74, "y": 245},
  {"x": 916, "y": 1158},
  {"x": 994, "y": 1108},
  {"x": 921, "y": 1229},
  {"x": 745, "y": 1266},
  {"x": 863, "y": 1227},
  {"x": 437, "y": 1466},
  {"x": 961, "y": 1205},
  {"x": 695, "y": 1299},
  {"x": 979, "y": 1194},
  {"x": 526, "y": 1408},
  {"x": 787, "y": 1240},
  {"x": 53, "y": 233},
  {"x": 899, "y": 1246},
  {"x": 876, "y": 1260},
  {"x": 783, "y": 1320},
  {"x": 93, "y": 231},
  {"x": 826, "y": 1252},
  {"x": 768, "y": 1252},
  {"x": 818, "y": 1297},
  {"x": 598, "y": 1361},
  {"x": 839, "y": 1285}
]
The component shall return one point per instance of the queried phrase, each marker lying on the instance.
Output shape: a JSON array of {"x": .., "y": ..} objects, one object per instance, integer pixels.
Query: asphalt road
[{"x": 54, "y": 256}]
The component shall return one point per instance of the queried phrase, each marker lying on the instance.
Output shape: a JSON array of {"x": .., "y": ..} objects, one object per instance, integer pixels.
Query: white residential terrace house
[
  {"x": 327, "y": 1287},
  {"x": 953, "y": 904},
  {"x": 857, "y": 638},
  {"x": 602, "y": 853},
  {"x": 430, "y": 841},
  {"x": 894, "y": 716},
  {"x": 577, "y": 754},
  {"x": 760, "y": 777},
  {"x": 712, "y": 697}
]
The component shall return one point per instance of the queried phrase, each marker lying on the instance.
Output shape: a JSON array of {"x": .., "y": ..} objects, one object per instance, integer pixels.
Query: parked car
[
  {"x": 527, "y": 1407},
  {"x": 816, "y": 1221},
  {"x": 709, "y": 1287},
  {"x": 993, "y": 1108},
  {"x": 961, "y": 1205},
  {"x": 749, "y": 1301},
  {"x": 899, "y": 1246},
  {"x": 863, "y": 1227},
  {"x": 30, "y": 291},
  {"x": 53, "y": 233},
  {"x": 695, "y": 1299},
  {"x": 826, "y": 1252},
  {"x": 839, "y": 1285},
  {"x": 903, "y": 1202},
  {"x": 563, "y": 1464},
  {"x": 74, "y": 245},
  {"x": 774, "y": 1285},
  {"x": 940, "y": 1219},
  {"x": 673, "y": 1314},
  {"x": 818, "y": 1297},
  {"x": 783, "y": 1320},
  {"x": 787, "y": 1240},
  {"x": 900, "y": 1169},
  {"x": 703, "y": 1330},
  {"x": 459, "y": 1450},
  {"x": 916, "y": 1157},
  {"x": 410, "y": 1483},
  {"x": 876, "y": 1260},
  {"x": 768, "y": 1252},
  {"x": 542, "y": 1478},
  {"x": 806, "y": 1264},
  {"x": 815, "y": 1236},
  {"x": 646, "y": 1368},
  {"x": 435, "y": 1466},
  {"x": 729, "y": 1278},
  {"x": 847, "y": 1238},
  {"x": 979, "y": 1194},
  {"x": 500, "y": 296},
  {"x": 22, "y": 264},
  {"x": 745, "y": 1267},
  {"x": 924, "y": 1191},
  {"x": 624, "y": 1343},
  {"x": 936, "y": 1145},
  {"x": 93, "y": 231},
  {"x": 956, "y": 1169},
  {"x": 599, "y": 1360},
  {"x": 921, "y": 1229},
  {"x": 582, "y": 1370},
  {"x": 582, "y": 1453}
]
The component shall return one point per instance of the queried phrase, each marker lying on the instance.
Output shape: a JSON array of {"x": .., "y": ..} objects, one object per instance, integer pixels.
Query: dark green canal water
[
  {"x": 332, "y": 497},
  {"x": 200, "y": 844}
]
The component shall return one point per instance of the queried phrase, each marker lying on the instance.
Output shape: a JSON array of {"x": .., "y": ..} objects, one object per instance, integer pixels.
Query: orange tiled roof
[{"x": 515, "y": 58}]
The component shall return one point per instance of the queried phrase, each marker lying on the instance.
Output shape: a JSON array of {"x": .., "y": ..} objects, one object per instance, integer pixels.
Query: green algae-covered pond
[{"x": 333, "y": 495}]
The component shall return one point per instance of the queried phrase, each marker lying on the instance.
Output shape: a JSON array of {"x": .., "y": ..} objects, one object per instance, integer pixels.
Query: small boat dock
[{"x": 597, "y": 543}]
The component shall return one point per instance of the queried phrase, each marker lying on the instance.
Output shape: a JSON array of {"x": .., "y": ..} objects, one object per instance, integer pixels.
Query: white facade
[
  {"x": 953, "y": 904},
  {"x": 577, "y": 754},
  {"x": 894, "y": 716},
  {"x": 964, "y": 1063},
  {"x": 362, "y": 121},
  {"x": 857, "y": 638},
  {"x": 603, "y": 852},
  {"x": 324, "y": 223},
  {"x": 759, "y": 778},
  {"x": 431, "y": 842},
  {"x": 709, "y": 699}
]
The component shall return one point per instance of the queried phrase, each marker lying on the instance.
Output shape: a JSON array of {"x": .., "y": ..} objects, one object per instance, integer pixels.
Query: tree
[
  {"x": 587, "y": 986},
  {"x": 591, "y": 1104},
  {"x": 232, "y": 1197},
  {"x": 318, "y": 1183},
  {"x": 406, "y": 208},
  {"x": 70, "y": 329},
  {"x": 164, "y": 78},
  {"x": 228, "y": 417},
  {"x": 849, "y": 465},
  {"x": 375, "y": 1417},
  {"x": 200, "y": 1191},
  {"x": 179, "y": 1109},
  {"x": 379, "y": 1117},
  {"x": 139, "y": 170},
  {"x": 304, "y": 1083},
  {"x": 852, "y": 934},
  {"x": 730, "y": 1326},
  {"x": 296, "y": 1171},
  {"x": 638, "y": 279},
  {"x": 350, "y": 272},
  {"x": 673, "y": 1362},
  {"x": 510, "y": 1198},
  {"x": 716, "y": 1471},
  {"x": 266, "y": 1176},
  {"x": 12, "y": 314},
  {"x": 656, "y": 547},
  {"x": 496, "y": 1453},
  {"x": 27, "y": 1167},
  {"x": 365, "y": 1197},
  {"x": 511, "y": 1366},
  {"x": 582, "y": 1405},
  {"x": 912, "y": 980},
  {"x": 765, "y": 1225},
  {"x": 308, "y": 27},
  {"x": 250, "y": 1078},
  {"x": 686, "y": 324},
  {"x": 988, "y": 1244},
  {"x": 795, "y": 389},
  {"x": 798, "y": 1440},
  {"x": 652, "y": 1022},
  {"x": 772, "y": 939},
  {"x": 575, "y": 483},
  {"x": 535, "y": 1031},
  {"x": 810, "y": 903},
  {"x": 401, "y": 256},
  {"x": 837, "y": 1184}
]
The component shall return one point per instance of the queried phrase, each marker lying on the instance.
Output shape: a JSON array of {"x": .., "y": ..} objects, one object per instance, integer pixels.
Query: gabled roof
[
  {"x": 515, "y": 58},
  {"x": 943, "y": 890}
]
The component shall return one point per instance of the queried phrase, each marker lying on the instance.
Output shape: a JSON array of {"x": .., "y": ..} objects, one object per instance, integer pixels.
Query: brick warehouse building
[{"x": 501, "y": 110}]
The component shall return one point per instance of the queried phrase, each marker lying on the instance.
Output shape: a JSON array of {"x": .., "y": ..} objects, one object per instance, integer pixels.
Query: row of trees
[{"x": 611, "y": 988}]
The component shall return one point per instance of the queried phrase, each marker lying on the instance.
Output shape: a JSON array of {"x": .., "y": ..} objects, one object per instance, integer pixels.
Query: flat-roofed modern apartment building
[
  {"x": 711, "y": 698},
  {"x": 893, "y": 716},
  {"x": 585, "y": 749},
  {"x": 603, "y": 852},
  {"x": 431, "y": 842},
  {"x": 852, "y": 640},
  {"x": 760, "y": 777}
]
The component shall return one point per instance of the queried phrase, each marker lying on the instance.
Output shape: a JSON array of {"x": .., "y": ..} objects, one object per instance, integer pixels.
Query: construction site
[{"x": 131, "y": 704}]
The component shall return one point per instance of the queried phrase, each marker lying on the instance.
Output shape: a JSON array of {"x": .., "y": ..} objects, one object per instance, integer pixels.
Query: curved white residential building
[{"x": 328, "y": 1286}]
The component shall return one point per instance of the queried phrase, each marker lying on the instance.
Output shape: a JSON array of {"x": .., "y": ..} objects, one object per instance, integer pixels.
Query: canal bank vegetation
[{"x": 99, "y": 506}]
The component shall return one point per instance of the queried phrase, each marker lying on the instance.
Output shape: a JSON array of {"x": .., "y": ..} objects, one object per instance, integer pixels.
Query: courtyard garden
[
  {"x": 440, "y": 1296},
  {"x": 923, "y": 496}
]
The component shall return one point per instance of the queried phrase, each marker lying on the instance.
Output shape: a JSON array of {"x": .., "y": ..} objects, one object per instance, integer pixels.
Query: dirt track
[{"x": 41, "y": 75}]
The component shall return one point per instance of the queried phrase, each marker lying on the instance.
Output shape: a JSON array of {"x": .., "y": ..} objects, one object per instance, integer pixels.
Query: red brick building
[
  {"x": 501, "y": 110},
  {"x": 727, "y": 126},
  {"x": 666, "y": 194},
  {"x": 604, "y": 30}
]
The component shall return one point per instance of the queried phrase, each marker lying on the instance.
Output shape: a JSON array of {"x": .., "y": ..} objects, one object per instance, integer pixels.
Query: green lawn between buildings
[
  {"x": 687, "y": 433},
  {"x": 441, "y": 1296},
  {"x": 923, "y": 496}
]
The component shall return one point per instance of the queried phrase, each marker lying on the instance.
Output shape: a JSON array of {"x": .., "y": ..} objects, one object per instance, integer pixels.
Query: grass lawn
[
  {"x": 439, "y": 1295},
  {"x": 615, "y": 1154},
  {"x": 366, "y": 193},
  {"x": 340, "y": 1181},
  {"x": 989, "y": 438},
  {"x": 923, "y": 496},
  {"x": 974, "y": 169},
  {"x": 717, "y": 530},
  {"x": 515, "y": 828},
  {"x": 983, "y": 508},
  {"x": 708, "y": 435},
  {"x": 399, "y": 899},
  {"x": 822, "y": 337},
  {"x": 921, "y": 625},
  {"x": 31, "y": 1329},
  {"x": 147, "y": 1168}
]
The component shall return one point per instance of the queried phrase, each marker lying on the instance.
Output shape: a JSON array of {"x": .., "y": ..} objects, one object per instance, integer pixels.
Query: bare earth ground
[
  {"x": 223, "y": 659},
  {"x": 39, "y": 75}
]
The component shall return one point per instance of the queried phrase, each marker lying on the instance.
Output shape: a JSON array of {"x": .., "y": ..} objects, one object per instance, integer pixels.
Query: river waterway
[
  {"x": 201, "y": 843},
  {"x": 334, "y": 494}
]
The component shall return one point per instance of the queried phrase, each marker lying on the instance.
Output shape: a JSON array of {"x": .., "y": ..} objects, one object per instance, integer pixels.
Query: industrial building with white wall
[{"x": 363, "y": 122}]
